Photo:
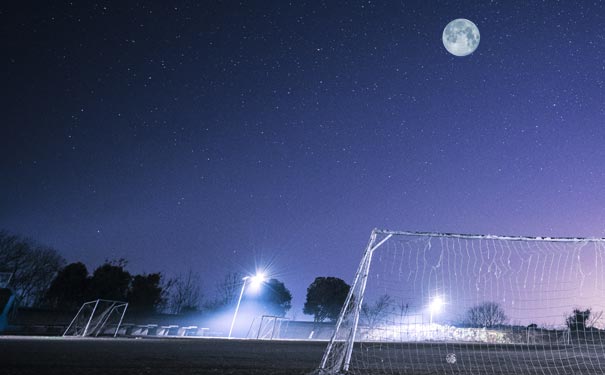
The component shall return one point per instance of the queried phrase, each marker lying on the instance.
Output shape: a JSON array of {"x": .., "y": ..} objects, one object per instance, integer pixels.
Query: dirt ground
[{"x": 184, "y": 356}]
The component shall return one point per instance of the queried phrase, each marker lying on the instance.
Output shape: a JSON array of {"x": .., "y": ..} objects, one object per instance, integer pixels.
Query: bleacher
[{"x": 42, "y": 322}]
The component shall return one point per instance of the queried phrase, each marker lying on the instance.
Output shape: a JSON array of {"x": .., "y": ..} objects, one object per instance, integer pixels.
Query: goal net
[
  {"x": 432, "y": 303},
  {"x": 269, "y": 327},
  {"x": 97, "y": 318}
]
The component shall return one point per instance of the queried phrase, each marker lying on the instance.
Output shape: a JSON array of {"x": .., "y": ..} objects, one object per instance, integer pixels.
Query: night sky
[{"x": 225, "y": 136}]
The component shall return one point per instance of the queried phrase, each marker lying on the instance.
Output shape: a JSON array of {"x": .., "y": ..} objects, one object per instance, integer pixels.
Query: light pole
[{"x": 256, "y": 279}]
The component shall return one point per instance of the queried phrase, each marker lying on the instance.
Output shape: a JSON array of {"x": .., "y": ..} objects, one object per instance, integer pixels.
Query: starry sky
[{"x": 224, "y": 136}]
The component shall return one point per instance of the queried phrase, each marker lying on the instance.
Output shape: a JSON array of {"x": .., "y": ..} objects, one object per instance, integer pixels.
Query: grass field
[
  {"x": 183, "y": 356},
  {"x": 57, "y": 355}
]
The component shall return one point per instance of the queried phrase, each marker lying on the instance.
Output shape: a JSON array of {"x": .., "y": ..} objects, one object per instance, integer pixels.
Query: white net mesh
[
  {"x": 269, "y": 327},
  {"x": 457, "y": 304}
]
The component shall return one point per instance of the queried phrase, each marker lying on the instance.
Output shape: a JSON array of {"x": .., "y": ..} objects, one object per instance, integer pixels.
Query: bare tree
[
  {"x": 185, "y": 295},
  {"x": 486, "y": 314},
  {"x": 403, "y": 308},
  {"x": 373, "y": 314},
  {"x": 595, "y": 318},
  {"x": 33, "y": 267},
  {"x": 227, "y": 289}
]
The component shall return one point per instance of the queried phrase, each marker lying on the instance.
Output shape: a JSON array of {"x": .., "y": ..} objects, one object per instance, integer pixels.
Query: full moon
[{"x": 461, "y": 37}]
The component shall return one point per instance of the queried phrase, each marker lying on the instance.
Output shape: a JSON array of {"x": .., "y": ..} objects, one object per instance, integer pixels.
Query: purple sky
[{"x": 219, "y": 136}]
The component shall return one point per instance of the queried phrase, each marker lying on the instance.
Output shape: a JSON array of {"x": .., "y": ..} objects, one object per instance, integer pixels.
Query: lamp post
[{"x": 256, "y": 279}]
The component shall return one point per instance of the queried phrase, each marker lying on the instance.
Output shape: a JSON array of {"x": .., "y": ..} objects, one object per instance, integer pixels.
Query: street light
[
  {"x": 255, "y": 281},
  {"x": 435, "y": 307}
]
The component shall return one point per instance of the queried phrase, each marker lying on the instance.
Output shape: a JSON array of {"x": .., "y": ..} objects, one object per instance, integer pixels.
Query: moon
[{"x": 461, "y": 37}]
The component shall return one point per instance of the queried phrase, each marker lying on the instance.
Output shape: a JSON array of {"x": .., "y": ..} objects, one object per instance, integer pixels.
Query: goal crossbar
[{"x": 489, "y": 236}]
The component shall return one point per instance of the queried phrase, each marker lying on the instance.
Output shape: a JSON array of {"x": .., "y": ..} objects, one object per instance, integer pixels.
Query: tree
[
  {"x": 146, "y": 293},
  {"x": 325, "y": 298},
  {"x": 373, "y": 314},
  {"x": 69, "y": 288},
  {"x": 402, "y": 309},
  {"x": 185, "y": 295},
  {"x": 578, "y": 320},
  {"x": 33, "y": 267},
  {"x": 595, "y": 317},
  {"x": 227, "y": 290},
  {"x": 486, "y": 314},
  {"x": 110, "y": 281},
  {"x": 276, "y": 298}
]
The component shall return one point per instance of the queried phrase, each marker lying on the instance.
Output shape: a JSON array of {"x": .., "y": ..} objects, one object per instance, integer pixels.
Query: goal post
[
  {"x": 425, "y": 302},
  {"x": 338, "y": 352}
]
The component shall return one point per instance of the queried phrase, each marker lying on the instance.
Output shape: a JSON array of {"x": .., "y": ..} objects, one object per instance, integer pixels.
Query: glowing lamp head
[
  {"x": 256, "y": 281},
  {"x": 436, "y": 305}
]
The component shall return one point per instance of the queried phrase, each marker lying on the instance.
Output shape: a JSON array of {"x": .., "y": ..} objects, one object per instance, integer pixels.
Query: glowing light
[
  {"x": 436, "y": 305},
  {"x": 257, "y": 280},
  {"x": 255, "y": 283}
]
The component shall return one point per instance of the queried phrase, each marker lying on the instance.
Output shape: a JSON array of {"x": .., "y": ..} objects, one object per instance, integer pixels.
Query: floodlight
[
  {"x": 255, "y": 283},
  {"x": 436, "y": 305},
  {"x": 257, "y": 280}
]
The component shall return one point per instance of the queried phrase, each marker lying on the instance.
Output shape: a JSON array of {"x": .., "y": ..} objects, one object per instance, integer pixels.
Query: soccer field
[
  {"x": 54, "y": 355},
  {"x": 58, "y": 355}
]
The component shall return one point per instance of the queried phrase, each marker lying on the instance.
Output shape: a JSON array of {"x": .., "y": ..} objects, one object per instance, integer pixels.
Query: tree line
[
  {"x": 482, "y": 315},
  {"x": 41, "y": 278}
]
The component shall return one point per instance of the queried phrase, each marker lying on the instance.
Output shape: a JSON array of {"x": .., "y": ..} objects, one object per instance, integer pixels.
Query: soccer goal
[
  {"x": 434, "y": 303},
  {"x": 97, "y": 318},
  {"x": 269, "y": 327}
]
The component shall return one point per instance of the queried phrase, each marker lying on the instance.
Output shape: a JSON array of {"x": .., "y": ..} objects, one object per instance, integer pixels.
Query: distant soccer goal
[
  {"x": 97, "y": 318},
  {"x": 427, "y": 303},
  {"x": 269, "y": 327}
]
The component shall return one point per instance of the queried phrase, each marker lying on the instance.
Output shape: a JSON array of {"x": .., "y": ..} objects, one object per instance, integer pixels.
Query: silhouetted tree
[
  {"x": 325, "y": 298},
  {"x": 227, "y": 291},
  {"x": 593, "y": 320},
  {"x": 33, "y": 267},
  {"x": 402, "y": 309},
  {"x": 68, "y": 290},
  {"x": 486, "y": 314},
  {"x": 110, "y": 281},
  {"x": 373, "y": 314},
  {"x": 185, "y": 293},
  {"x": 578, "y": 320},
  {"x": 146, "y": 293},
  {"x": 276, "y": 298}
]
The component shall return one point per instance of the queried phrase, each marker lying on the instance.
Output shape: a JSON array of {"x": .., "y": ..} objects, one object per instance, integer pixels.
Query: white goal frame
[
  {"x": 337, "y": 355},
  {"x": 269, "y": 328},
  {"x": 93, "y": 318}
]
